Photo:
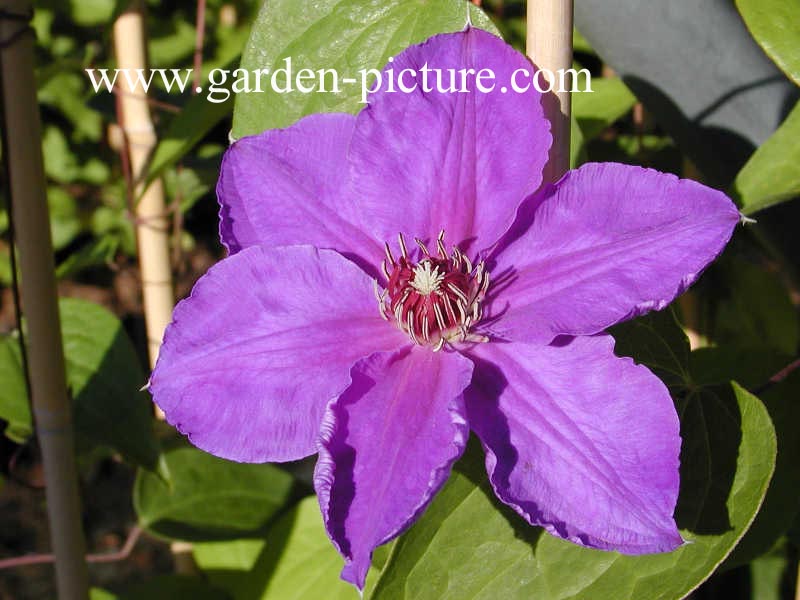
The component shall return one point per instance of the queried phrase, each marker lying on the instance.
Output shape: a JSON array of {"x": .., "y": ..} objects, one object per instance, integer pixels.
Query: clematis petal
[
  {"x": 458, "y": 161},
  {"x": 266, "y": 339},
  {"x": 386, "y": 447},
  {"x": 606, "y": 243},
  {"x": 579, "y": 441},
  {"x": 286, "y": 187}
]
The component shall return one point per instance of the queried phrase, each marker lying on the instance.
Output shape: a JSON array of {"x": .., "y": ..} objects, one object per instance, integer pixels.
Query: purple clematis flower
[{"x": 324, "y": 331}]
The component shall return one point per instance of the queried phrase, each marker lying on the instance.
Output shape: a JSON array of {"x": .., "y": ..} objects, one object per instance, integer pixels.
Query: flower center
[{"x": 436, "y": 299}]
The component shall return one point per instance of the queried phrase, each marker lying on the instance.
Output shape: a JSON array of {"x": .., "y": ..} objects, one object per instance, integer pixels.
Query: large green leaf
[
  {"x": 295, "y": 561},
  {"x": 776, "y": 26},
  {"x": 771, "y": 175},
  {"x": 469, "y": 546},
  {"x": 782, "y": 503},
  {"x": 14, "y": 407},
  {"x": 345, "y": 35},
  {"x": 208, "y": 498},
  {"x": 104, "y": 378}
]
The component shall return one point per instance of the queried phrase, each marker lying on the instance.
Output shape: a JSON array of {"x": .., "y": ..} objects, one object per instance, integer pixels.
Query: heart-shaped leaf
[
  {"x": 348, "y": 36},
  {"x": 467, "y": 545},
  {"x": 207, "y": 498}
]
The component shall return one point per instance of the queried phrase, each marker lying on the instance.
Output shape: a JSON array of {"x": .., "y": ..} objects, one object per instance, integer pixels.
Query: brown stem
[
  {"x": 200, "y": 32},
  {"x": 107, "y": 557},
  {"x": 165, "y": 106}
]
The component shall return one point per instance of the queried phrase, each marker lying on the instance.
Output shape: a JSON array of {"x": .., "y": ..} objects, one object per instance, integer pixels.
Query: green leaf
[
  {"x": 295, "y": 561},
  {"x": 776, "y": 26},
  {"x": 771, "y": 175},
  {"x": 657, "y": 341},
  {"x": 468, "y": 545},
  {"x": 62, "y": 165},
  {"x": 609, "y": 100},
  {"x": 105, "y": 378},
  {"x": 14, "y": 407},
  {"x": 345, "y": 35},
  {"x": 88, "y": 13},
  {"x": 766, "y": 574},
  {"x": 197, "y": 118},
  {"x": 65, "y": 223},
  {"x": 753, "y": 308},
  {"x": 208, "y": 498},
  {"x": 750, "y": 366},
  {"x": 191, "y": 183},
  {"x": 99, "y": 251},
  {"x": 577, "y": 148},
  {"x": 170, "y": 41},
  {"x": 782, "y": 503},
  {"x": 67, "y": 91}
]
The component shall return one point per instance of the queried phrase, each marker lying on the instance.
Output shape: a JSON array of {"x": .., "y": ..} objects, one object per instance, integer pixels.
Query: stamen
[
  {"x": 453, "y": 288},
  {"x": 440, "y": 245},
  {"x": 411, "y": 326},
  {"x": 403, "y": 249},
  {"x": 435, "y": 300}
]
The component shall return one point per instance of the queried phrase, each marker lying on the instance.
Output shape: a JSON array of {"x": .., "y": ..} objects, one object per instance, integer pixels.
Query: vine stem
[
  {"x": 199, "y": 41},
  {"x": 549, "y": 46},
  {"x": 47, "y": 374},
  {"x": 41, "y": 559}
]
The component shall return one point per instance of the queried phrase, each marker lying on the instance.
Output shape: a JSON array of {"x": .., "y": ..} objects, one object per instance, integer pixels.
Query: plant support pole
[
  {"x": 46, "y": 371},
  {"x": 152, "y": 227},
  {"x": 549, "y": 46}
]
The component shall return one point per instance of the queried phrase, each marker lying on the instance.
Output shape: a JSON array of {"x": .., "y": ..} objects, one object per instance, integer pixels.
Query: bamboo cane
[
  {"x": 51, "y": 407},
  {"x": 152, "y": 227},
  {"x": 549, "y": 46}
]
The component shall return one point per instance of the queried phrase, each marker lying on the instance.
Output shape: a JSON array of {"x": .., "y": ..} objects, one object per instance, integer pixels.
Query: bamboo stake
[
  {"x": 51, "y": 407},
  {"x": 549, "y": 46},
  {"x": 152, "y": 227}
]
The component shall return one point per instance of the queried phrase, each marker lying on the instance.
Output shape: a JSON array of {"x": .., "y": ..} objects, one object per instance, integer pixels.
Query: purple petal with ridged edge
[
  {"x": 460, "y": 161},
  {"x": 288, "y": 187},
  {"x": 387, "y": 446},
  {"x": 579, "y": 441},
  {"x": 608, "y": 242},
  {"x": 266, "y": 339}
]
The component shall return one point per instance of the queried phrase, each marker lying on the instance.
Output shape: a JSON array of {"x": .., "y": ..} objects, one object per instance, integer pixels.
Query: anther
[
  {"x": 403, "y": 249},
  {"x": 389, "y": 256}
]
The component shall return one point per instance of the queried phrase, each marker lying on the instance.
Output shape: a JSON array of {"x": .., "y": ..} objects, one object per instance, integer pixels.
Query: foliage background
[{"x": 708, "y": 92}]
